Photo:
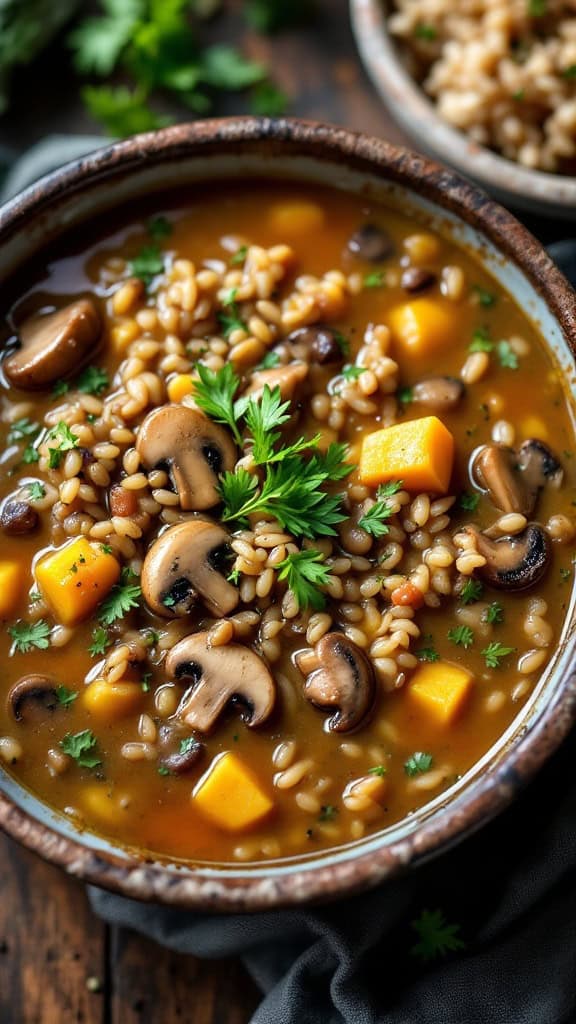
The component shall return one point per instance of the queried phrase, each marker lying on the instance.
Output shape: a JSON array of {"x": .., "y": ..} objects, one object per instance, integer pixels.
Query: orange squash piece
[
  {"x": 179, "y": 386},
  {"x": 110, "y": 702},
  {"x": 11, "y": 586},
  {"x": 424, "y": 326},
  {"x": 420, "y": 453},
  {"x": 441, "y": 690},
  {"x": 75, "y": 578},
  {"x": 230, "y": 796}
]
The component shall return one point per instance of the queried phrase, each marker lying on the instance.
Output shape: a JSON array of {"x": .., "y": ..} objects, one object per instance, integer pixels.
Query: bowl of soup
[{"x": 287, "y": 513}]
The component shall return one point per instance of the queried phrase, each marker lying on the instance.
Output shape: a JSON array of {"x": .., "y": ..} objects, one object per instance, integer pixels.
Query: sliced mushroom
[
  {"x": 180, "y": 751},
  {"x": 494, "y": 468},
  {"x": 439, "y": 393},
  {"x": 287, "y": 378},
  {"x": 191, "y": 448},
  {"x": 371, "y": 243},
  {"x": 18, "y": 517},
  {"x": 218, "y": 676},
  {"x": 344, "y": 680},
  {"x": 516, "y": 562},
  {"x": 416, "y": 279},
  {"x": 32, "y": 689},
  {"x": 539, "y": 466},
  {"x": 315, "y": 344},
  {"x": 189, "y": 561},
  {"x": 54, "y": 346}
]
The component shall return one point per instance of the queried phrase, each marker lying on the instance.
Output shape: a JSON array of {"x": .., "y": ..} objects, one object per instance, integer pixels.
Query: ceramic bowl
[
  {"x": 536, "y": 192},
  {"x": 232, "y": 149}
]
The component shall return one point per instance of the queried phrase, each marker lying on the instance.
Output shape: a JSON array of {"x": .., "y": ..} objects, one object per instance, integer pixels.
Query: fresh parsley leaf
[
  {"x": 30, "y": 455},
  {"x": 352, "y": 372},
  {"x": 262, "y": 417},
  {"x": 471, "y": 592},
  {"x": 462, "y": 636},
  {"x": 152, "y": 638},
  {"x": 268, "y": 100},
  {"x": 121, "y": 599},
  {"x": 122, "y": 111},
  {"x": 98, "y": 43},
  {"x": 214, "y": 393},
  {"x": 485, "y": 298},
  {"x": 375, "y": 279},
  {"x": 145, "y": 682},
  {"x": 270, "y": 362},
  {"x": 147, "y": 264},
  {"x": 231, "y": 320},
  {"x": 378, "y": 769},
  {"x": 418, "y": 764},
  {"x": 188, "y": 744},
  {"x": 78, "y": 746},
  {"x": 106, "y": 549},
  {"x": 469, "y": 501},
  {"x": 224, "y": 67},
  {"x": 305, "y": 573},
  {"x": 65, "y": 696},
  {"x": 163, "y": 770},
  {"x": 327, "y": 812},
  {"x": 342, "y": 342},
  {"x": 237, "y": 260},
  {"x": 569, "y": 72},
  {"x": 26, "y": 635},
  {"x": 65, "y": 442},
  {"x": 61, "y": 387},
  {"x": 159, "y": 228},
  {"x": 428, "y": 652},
  {"x": 494, "y": 613},
  {"x": 426, "y": 32},
  {"x": 168, "y": 600},
  {"x": 405, "y": 395},
  {"x": 332, "y": 463},
  {"x": 92, "y": 381},
  {"x": 494, "y": 653},
  {"x": 537, "y": 8},
  {"x": 22, "y": 429},
  {"x": 238, "y": 490},
  {"x": 373, "y": 520},
  {"x": 436, "y": 938},
  {"x": 36, "y": 491},
  {"x": 100, "y": 641},
  {"x": 481, "y": 341},
  {"x": 274, "y": 15},
  {"x": 506, "y": 355}
]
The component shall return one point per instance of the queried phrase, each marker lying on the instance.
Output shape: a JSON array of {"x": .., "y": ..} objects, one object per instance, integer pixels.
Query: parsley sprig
[
  {"x": 122, "y": 598},
  {"x": 26, "y": 635},
  {"x": 418, "y": 764},
  {"x": 81, "y": 747},
  {"x": 65, "y": 442},
  {"x": 373, "y": 521},
  {"x": 214, "y": 393},
  {"x": 305, "y": 572},
  {"x": 436, "y": 937},
  {"x": 494, "y": 654}
]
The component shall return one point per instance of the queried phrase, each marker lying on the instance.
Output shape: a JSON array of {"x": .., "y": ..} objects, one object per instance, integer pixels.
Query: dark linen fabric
[{"x": 510, "y": 890}]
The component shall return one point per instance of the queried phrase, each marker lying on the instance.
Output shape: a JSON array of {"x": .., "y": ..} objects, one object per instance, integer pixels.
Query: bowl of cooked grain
[
  {"x": 286, "y": 527},
  {"x": 489, "y": 88}
]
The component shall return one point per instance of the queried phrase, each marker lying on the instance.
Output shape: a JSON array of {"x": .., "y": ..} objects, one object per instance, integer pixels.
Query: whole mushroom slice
[
  {"x": 516, "y": 562},
  {"x": 218, "y": 676},
  {"x": 344, "y": 680},
  {"x": 189, "y": 561},
  {"x": 314, "y": 344},
  {"x": 18, "y": 517},
  {"x": 441, "y": 394},
  {"x": 371, "y": 243},
  {"x": 180, "y": 751},
  {"x": 191, "y": 448},
  {"x": 54, "y": 346},
  {"x": 539, "y": 466},
  {"x": 493, "y": 468},
  {"x": 34, "y": 689}
]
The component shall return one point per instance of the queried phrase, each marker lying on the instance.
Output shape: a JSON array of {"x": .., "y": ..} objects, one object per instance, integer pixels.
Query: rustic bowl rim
[
  {"x": 536, "y": 190},
  {"x": 303, "y": 882}
]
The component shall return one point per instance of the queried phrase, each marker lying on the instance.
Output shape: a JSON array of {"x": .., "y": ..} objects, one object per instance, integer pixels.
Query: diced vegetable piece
[
  {"x": 179, "y": 386},
  {"x": 441, "y": 690},
  {"x": 424, "y": 326},
  {"x": 103, "y": 802},
  {"x": 295, "y": 217},
  {"x": 11, "y": 586},
  {"x": 230, "y": 796},
  {"x": 122, "y": 335},
  {"x": 418, "y": 452},
  {"x": 75, "y": 578},
  {"x": 109, "y": 702},
  {"x": 407, "y": 595}
]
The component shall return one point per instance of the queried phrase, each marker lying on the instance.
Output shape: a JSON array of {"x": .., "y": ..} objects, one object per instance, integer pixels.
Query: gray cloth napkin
[{"x": 509, "y": 892}]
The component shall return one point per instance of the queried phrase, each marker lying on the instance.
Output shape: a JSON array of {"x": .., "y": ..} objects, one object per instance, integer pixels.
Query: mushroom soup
[{"x": 287, "y": 524}]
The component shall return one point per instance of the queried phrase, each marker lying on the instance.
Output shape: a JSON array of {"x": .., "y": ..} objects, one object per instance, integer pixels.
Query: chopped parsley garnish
[
  {"x": 22, "y": 429},
  {"x": 375, "y": 279},
  {"x": 188, "y": 744},
  {"x": 537, "y": 8},
  {"x": 152, "y": 638},
  {"x": 565, "y": 575},
  {"x": 65, "y": 442},
  {"x": 163, "y": 770},
  {"x": 61, "y": 387},
  {"x": 507, "y": 356},
  {"x": 462, "y": 636},
  {"x": 481, "y": 341},
  {"x": 352, "y": 372},
  {"x": 26, "y": 635},
  {"x": 147, "y": 264},
  {"x": 169, "y": 601},
  {"x": 426, "y": 32},
  {"x": 159, "y": 228},
  {"x": 373, "y": 520},
  {"x": 471, "y": 592},
  {"x": 405, "y": 395},
  {"x": 494, "y": 614},
  {"x": 30, "y": 455},
  {"x": 231, "y": 320},
  {"x": 378, "y": 769},
  {"x": 145, "y": 682},
  {"x": 237, "y": 260},
  {"x": 100, "y": 641},
  {"x": 65, "y": 696},
  {"x": 36, "y": 491},
  {"x": 121, "y": 599},
  {"x": 418, "y": 764},
  {"x": 428, "y": 652},
  {"x": 78, "y": 746},
  {"x": 268, "y": 100},
  {"x": 106, "y": 549},
  {"x": 436, "y": 938},
  {"x": 485, "y": 298},
  {"x": 270, "y": 362},
  {"x": 304, "y": 573},
  {"x": 342, "y": 342},
  {"x": 469, "y": 501},
  {"x": 92, "y": 381},
  {"x": 569, "y": 72},
  {"x": 327, "y": 812},
  {"x": 262, "y": 419},
  {"x": 494, "y": 653}
]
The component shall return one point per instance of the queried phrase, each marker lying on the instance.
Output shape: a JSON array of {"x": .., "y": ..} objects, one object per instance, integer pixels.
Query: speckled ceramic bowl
[
  {"x": 552, "y": 195},
  {"x": 289, "y": 149}
]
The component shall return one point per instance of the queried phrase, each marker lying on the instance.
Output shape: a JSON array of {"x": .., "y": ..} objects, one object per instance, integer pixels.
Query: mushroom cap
[
  {"x": 187, "y": 562},
  {"x": 315, "y": 343},
  {"x": 493, "y": 467},
  {"x": 54, "y": 346},
  {"x": 34, "y": 688},
  {"x": 538, "y": 465},
  {"x": 514, "y": 562},
  {"x": 180, "y": 750},
  {"x": 439, "y": 393},
  {"x": 343, "y": 680},
  {"x": 192, "y": 448},
  {"x": 217, "y": 676},
  {"x": 371, "y": 243}
]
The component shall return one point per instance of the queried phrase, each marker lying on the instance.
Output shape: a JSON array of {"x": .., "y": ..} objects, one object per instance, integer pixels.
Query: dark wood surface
[{"x": 58, "y": 963}]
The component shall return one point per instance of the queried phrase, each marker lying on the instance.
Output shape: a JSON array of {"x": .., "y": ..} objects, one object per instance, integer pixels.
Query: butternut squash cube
[
  {"x": 179, "y": 386},
  {"x": 75, "y": 578},
  {"x": 103, "y": 803},
  {"x": 230, "y": 796},
  {"x": 424, "y": 326},
  {"x": 441, "y": 690},
  {"x": 420, "y": 453},
  {"x": 11, "y": 586},
  {"x": 110, "y": 702},
  {"x": 293, "y": 218}
]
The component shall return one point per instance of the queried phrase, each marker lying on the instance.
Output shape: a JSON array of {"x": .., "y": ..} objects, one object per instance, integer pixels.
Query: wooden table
[{"x": 58, "y": 963}]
